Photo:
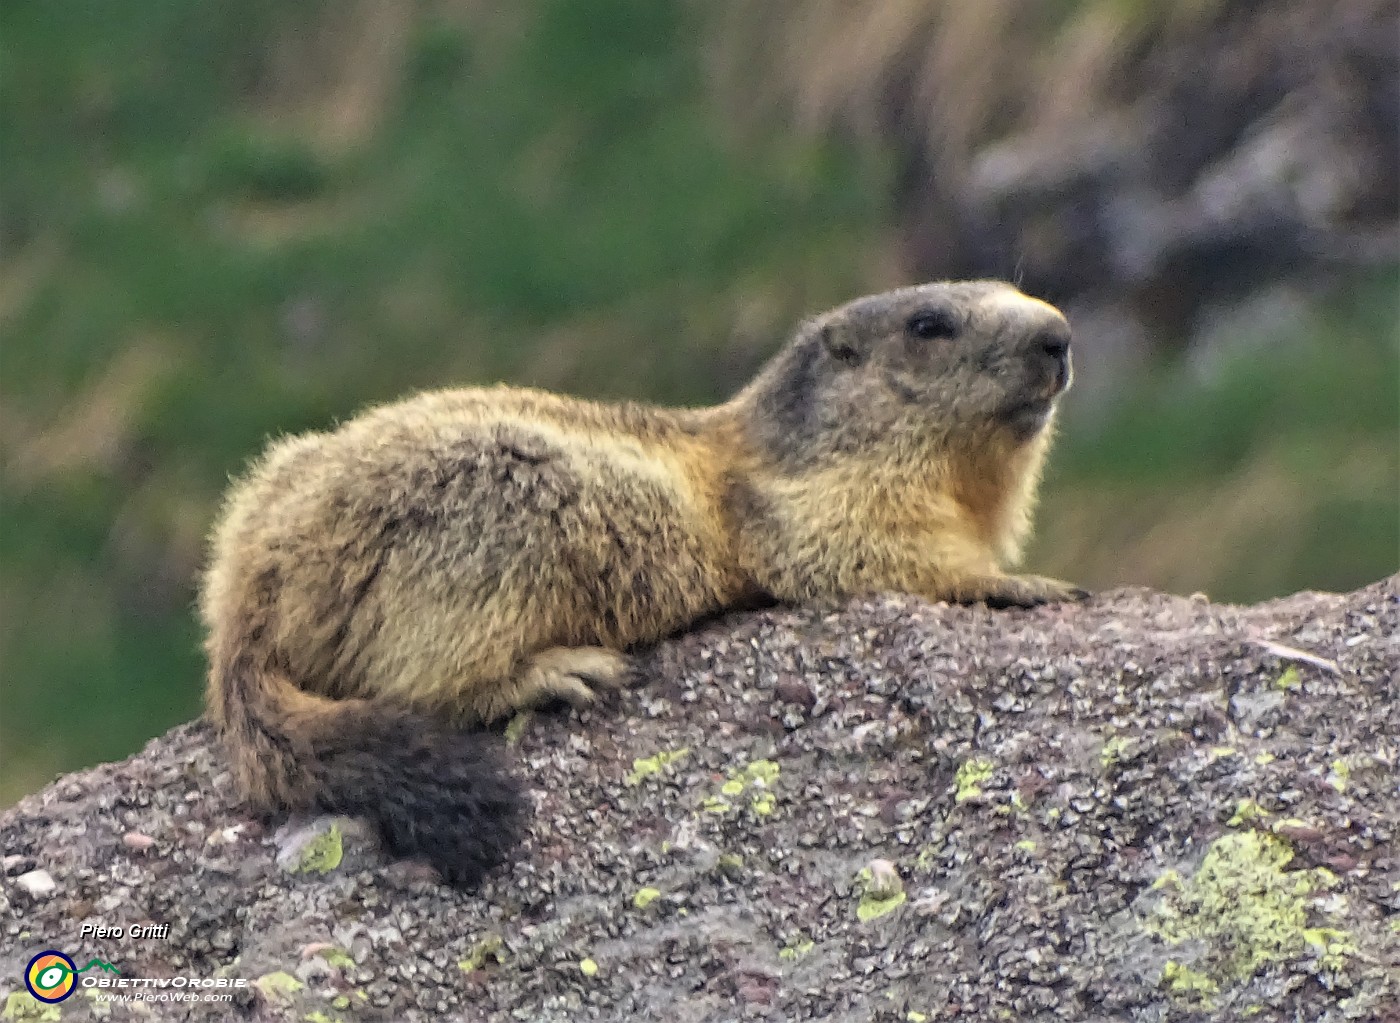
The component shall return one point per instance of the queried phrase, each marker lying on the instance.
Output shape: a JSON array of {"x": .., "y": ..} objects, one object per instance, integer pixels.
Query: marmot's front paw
[{"x": 1021, "y": 591}]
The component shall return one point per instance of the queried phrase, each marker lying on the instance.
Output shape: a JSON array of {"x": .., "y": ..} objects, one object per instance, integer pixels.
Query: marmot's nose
[{"x": 1053, "y": 339}]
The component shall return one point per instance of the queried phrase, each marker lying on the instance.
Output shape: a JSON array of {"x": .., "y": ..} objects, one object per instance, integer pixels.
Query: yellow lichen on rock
[
  {"x": 322, "y": 854},
  {"x": 489, "y": 947},
  {"x": 22, "y": 1006},
  {"x": 970, "y": 777},
  {"x": 1113, "y": 751},
  {"x": 645, "y": 767},
  {"x": 1246, "y": 911},
  {"x": 881, "y": 890},
  {"x": 757, "y": 779}
]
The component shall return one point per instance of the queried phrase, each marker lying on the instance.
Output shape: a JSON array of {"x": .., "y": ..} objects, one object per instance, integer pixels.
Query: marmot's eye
[{"x": 932, "y": 323}]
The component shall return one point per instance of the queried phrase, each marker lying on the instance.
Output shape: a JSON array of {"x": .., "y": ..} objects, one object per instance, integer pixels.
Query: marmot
[{"x": 437, "y": 563}]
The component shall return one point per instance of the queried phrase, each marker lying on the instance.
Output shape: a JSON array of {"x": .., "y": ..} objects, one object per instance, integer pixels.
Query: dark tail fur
[{"x": 434, "y": 793}]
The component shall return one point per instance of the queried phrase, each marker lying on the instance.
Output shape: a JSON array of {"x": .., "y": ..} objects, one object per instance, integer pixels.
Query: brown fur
[{"x": 443, "y": 561}]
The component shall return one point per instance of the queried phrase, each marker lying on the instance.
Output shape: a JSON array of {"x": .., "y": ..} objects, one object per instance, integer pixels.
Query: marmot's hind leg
[{"x": 571, "y": 674}]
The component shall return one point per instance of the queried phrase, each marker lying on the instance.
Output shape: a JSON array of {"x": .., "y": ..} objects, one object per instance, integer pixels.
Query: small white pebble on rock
[
  {"x": 37, "y": 883},
  {"x": 225, "y": 836},
  {"x": 137, "y": 842},
  {"x": 884, "y": 880}
]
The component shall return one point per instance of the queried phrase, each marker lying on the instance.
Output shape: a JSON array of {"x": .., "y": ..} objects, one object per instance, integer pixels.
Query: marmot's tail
[{"x": 436, "y": 794}]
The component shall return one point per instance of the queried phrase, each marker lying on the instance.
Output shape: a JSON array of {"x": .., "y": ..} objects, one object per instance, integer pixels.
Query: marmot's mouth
[
  {"x": 1028, "y": 418},
  {"x": 1061, "y": 378},
  {"x": 1056, "y": 381}
]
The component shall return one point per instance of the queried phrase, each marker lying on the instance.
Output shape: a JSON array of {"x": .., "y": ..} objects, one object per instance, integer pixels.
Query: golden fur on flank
[{"x": 440, "y": 562}]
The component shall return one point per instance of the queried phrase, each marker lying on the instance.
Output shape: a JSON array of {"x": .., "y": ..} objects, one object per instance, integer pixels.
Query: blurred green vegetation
[
  {"x": 222, "y": 222},
  {"x": 1280, "y": 471}
]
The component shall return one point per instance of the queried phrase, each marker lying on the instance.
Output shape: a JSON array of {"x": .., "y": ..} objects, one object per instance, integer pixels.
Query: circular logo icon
[{"x": 50, "y": 976}]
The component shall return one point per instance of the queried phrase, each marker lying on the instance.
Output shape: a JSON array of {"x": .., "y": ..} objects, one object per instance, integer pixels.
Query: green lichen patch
[
  {"x": 797, "y": 946},
  {"x": 1339, "y": 775},
  {"x": 517, "y": 727},
  {"x": 321, "y": 854},
  {"x": 756, "y": 780},
  {"x": 1246, "y": 810},
  {"x": 645, "y": 767},
  {"x": 1289, "y": 680},
  {"x": 1188, "y": 983},
  {"x": 1246, "y": 911},
  {"x": 763, "y": 772},
  {"x": 1332, "y": 946},
  {"x": 491, "y": 947},
  {"x": 645, "y": 897},
  {"x": 870, "y": 908},
  {"x": 970, "y": 776},
  {"x": 1113, "y": 751},
  {"x": 730, "y": 865},
  {"x": 881, "y": 890},
  {"x": 22, "y": 1006},
  {"x": 279, "y": 986},
  {"x": 338, "y": 958}
]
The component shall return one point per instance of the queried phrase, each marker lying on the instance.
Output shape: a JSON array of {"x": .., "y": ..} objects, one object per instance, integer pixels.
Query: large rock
[{"x": 1143, "y": 808}]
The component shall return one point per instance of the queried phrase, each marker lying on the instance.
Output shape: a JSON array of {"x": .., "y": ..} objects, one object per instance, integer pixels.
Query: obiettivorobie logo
[{"x": 51, "y": 976}]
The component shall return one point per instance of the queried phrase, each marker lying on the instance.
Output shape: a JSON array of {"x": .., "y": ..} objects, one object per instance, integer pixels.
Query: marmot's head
[
  {"x": 968, "y": 352},
  {"x": 959, "y": 361}
]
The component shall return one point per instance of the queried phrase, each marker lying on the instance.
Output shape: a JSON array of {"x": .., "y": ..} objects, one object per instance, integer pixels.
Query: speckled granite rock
[{"x": 1142, "y": 808}]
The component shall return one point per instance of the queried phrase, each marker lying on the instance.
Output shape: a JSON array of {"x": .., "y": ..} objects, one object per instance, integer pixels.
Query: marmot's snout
[
  {"x": 1049, "y": 347},
  {"x": 1033, "y": 331},
  {"x": 1036, "y": 340}
]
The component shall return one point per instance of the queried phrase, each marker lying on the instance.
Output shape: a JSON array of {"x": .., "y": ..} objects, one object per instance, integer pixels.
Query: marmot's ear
[{"x": 836, "y": 338}]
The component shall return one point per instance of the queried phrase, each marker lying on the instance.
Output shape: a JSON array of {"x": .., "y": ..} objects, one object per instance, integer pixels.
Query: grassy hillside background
[{"x": 222, "y": 222}]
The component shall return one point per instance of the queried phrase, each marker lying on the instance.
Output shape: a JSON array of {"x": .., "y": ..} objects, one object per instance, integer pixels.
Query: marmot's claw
[
  {"x": 1005, "y": 601},
  {"x": 1028, "y": 591},
  {"x": 1053, "y": 591}
]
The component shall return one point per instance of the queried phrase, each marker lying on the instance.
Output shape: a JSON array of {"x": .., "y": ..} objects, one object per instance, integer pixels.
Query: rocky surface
[{"x": 1143, "y": 808}]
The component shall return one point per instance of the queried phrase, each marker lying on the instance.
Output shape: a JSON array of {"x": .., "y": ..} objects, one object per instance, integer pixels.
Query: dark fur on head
[{"x": 942, "y": 363}]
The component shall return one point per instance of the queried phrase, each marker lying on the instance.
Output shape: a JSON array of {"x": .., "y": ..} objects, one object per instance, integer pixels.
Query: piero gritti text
[{"x": 135, "y": 931}]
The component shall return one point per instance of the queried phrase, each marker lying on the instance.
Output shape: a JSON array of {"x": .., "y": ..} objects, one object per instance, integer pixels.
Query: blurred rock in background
[{"x": 1143, "y": 165}]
